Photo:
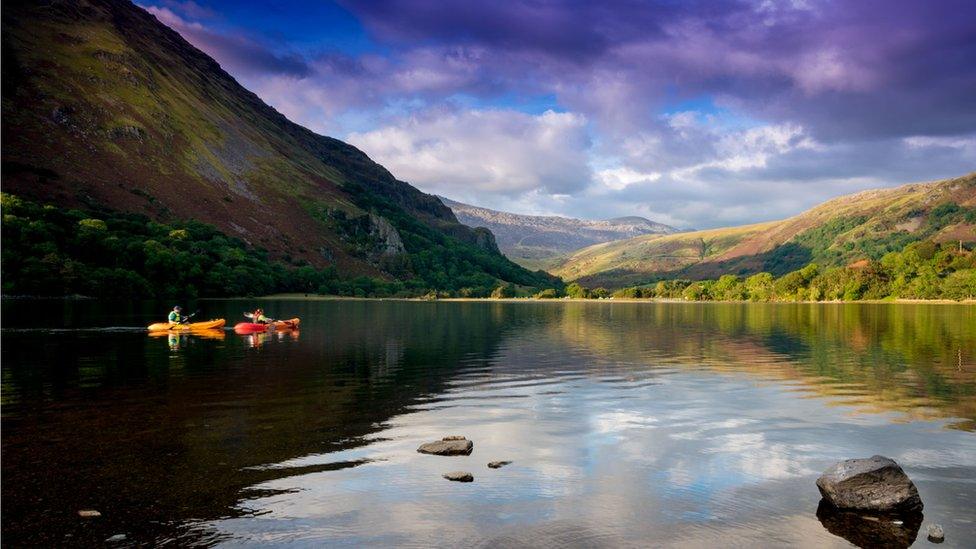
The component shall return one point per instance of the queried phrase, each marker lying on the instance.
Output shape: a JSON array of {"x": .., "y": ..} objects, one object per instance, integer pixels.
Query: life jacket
[{"x": 174, "y": 316}]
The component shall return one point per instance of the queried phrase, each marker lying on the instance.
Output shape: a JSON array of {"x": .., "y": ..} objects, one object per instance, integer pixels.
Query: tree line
[
  {"x": 921, "y": 270},
  {"x": 50, "y": 251}
]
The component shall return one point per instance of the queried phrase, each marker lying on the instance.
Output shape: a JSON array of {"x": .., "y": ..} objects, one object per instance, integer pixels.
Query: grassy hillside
[
  {"x": 107, "y": 110},
  {"x": 841, "y": 231}
]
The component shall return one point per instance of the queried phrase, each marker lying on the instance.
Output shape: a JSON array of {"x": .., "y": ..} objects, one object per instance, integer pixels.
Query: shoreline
[
  {"x": 303, "y": 297},
  {"x": 315, "y": 297}
]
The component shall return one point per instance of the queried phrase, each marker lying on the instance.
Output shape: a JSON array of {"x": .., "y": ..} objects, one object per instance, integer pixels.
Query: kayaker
[
  {"x": 258, "y": 317},
  {"x": 175, "y": 317}
]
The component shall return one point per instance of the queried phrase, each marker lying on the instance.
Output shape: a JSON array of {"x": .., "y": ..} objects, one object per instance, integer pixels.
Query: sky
[{"x": 698, "y": 114}]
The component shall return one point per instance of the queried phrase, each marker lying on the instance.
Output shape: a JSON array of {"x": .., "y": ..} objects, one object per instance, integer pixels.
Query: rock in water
[
  {"x": 936, "y": 535},
  {"x": 497, "y": 464},
  {"x": 89, "y": 513},
  {"x": 459, "y": 476},
  {"x": 869, "y": 484},
  {"x": 448, "y": 446}
]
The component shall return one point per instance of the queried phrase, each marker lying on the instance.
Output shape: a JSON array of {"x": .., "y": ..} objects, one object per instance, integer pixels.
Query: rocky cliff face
[{"x": 386, "y": 235}]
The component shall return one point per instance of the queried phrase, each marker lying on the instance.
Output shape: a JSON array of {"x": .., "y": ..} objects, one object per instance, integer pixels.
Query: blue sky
[{"x": 697, "y": 114}]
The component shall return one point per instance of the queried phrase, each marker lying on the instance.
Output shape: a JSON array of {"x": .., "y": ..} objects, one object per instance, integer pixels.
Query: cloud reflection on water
[{"x": 720, "y": 445}]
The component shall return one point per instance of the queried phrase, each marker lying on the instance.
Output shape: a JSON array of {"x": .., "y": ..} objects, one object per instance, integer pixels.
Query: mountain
[
  {"x": 841, "y": 231},
  {"x": 106, "y": 108},
  {"x": 533, "y": 240}
]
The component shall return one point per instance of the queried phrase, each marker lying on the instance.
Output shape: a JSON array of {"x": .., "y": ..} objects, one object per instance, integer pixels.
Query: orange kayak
[
  {"x": 256, "y": 328},
  {"x": 167, "y": 327}
]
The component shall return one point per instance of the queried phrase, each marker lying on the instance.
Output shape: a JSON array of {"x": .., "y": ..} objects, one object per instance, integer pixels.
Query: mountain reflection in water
[{"x": 628, "y": 423}]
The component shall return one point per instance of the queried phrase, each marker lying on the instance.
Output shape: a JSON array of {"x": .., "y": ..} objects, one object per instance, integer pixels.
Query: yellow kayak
[
  {"x": 193, "y": 326},
  {"x": 213, "y": 333}
]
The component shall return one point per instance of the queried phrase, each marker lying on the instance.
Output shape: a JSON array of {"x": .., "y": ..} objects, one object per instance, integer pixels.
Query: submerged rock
[
  {"x": 497, "y": 464},
  {"x": 116, "y": 537},
  {"x": 459, "y": 476},
  {"x": 936, "y": 535},
  {"x": 870, "y": 531},
  {"x": 448, "y": 446},
  {"x": 89, "y": 513},
  {"x": 870, "y": 484}
]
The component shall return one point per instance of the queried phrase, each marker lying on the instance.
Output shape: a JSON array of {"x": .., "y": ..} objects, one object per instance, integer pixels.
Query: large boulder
[
  {"x": 870, "y": 484},
  {"x": 448, "y": 446}
]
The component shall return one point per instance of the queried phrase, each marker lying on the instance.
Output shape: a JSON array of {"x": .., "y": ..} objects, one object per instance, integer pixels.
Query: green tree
[
  {"x": 576, "y": 291},
  {"x": 628, "y": 293},
  {"x": 600, "y": 293},
  {"x": 730, "y": 288},
  {"x": 960, "y": 285},
  {"x": 697, "y": 291},
  {"x": 759, "y": 287}
]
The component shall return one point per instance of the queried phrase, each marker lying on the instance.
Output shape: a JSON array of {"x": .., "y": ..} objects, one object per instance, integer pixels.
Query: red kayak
[{"x": 255, "y": 328}]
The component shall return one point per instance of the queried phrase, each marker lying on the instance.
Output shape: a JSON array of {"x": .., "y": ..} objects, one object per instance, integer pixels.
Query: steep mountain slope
[
  {"x": 104, "y": 106},
  {"x": 840, "y": 231},
  {"x": 532, "y": 240}
]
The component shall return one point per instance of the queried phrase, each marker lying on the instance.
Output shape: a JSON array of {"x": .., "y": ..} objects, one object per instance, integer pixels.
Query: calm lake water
[{"x": 628, "y": 424}]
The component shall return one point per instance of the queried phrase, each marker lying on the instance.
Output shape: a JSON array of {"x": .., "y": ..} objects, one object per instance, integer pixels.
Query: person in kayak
[
  {"x": 175, "y": 317},
  {"x": 258, "y": 317}
]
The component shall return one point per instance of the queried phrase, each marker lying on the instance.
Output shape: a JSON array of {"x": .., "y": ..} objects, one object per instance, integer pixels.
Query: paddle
[{"x": 183, "y": 320}]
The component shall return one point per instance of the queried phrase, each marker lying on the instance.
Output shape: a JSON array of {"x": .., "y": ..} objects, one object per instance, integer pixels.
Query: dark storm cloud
[{"x": 866, "y": 68}]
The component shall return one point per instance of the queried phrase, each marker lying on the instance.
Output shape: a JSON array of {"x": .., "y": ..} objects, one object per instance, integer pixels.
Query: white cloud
[
  {"x": 620, "y": 178},
  {"x": 478, "y": 153},
  {"x": 966, "y": 144}
]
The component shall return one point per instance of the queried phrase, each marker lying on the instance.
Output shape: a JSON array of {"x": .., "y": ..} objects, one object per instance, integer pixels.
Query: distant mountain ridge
[
  {"x": 844, "y": 230},
  {"x": 533, "y": 240}
]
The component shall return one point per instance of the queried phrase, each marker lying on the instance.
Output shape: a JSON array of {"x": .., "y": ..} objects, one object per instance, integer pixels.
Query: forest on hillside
[
  {"x": 921, "y": 270},
  {"x": 50, "y": 251}
]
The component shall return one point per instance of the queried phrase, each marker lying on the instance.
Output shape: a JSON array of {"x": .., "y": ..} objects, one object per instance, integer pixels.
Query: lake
[{"x": 627, "y": 424}]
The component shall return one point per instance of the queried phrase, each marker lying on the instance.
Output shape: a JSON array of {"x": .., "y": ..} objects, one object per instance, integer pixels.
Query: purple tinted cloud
[
  {"x": 855, "y": 68},
  {"x": 235, "y": 52},
  {"x": 698, "y": 112}
]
